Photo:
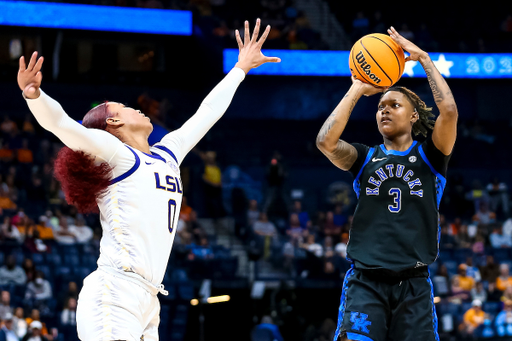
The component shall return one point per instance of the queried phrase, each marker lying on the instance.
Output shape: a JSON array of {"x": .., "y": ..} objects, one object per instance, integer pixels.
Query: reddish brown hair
[{"x": 82, "y": 180}]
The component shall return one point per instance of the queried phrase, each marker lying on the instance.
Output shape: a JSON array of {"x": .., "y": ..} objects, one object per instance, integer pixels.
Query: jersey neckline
[{"x": 397, "y": 152}]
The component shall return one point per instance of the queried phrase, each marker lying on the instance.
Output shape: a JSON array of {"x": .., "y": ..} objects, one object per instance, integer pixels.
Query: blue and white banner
[
  {"x": 335, "y": 63},
  {"x": 95, "y": 18}
]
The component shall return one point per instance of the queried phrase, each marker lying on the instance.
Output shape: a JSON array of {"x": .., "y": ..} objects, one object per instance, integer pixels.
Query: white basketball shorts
[{"x": 112, "y": 308}]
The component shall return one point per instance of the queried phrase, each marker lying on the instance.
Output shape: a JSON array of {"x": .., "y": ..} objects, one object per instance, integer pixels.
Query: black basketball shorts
[{"x": 375, "y": 307}]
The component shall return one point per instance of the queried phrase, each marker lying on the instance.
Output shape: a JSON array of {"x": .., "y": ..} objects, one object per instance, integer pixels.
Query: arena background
[{"x": 264, "y": 146}]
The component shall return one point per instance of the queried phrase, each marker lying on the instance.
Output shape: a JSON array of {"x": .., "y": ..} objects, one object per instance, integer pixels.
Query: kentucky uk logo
[{"x": 359, "y": 322}]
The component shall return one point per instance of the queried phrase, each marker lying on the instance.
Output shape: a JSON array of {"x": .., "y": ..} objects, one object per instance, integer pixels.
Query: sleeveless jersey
[
  {"x": 139, "y": 214},
  {"x": 396, "y": 221}
]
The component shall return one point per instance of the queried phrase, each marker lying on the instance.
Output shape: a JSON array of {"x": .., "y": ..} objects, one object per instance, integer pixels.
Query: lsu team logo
[{"x": 359, "y": 322}]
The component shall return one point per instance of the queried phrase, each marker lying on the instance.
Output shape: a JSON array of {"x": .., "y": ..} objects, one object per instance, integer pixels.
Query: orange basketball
[{"x": 377, "y": 59}]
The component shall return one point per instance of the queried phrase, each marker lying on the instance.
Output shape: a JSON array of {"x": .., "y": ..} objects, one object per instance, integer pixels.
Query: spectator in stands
[
  {"x": 267, "y": 324},
  {"x": 71, "y": 292},
  {"x": 212, "y": 185},
  {"x": 446, "y": 241},
  {"x": 203, "y": 250},
  {"x": 498, "y": 239},
  {"x": 472, "y": 271},
  {"x": 466, "y": 282},
  {"x": 504, "y": 279},
  {"x": 253, "y": 213},
  {"x": 185, "y": 210},
  {"x": 463, "y": 239},
  {"x": 360, "y": 26},
  {"x": 64, "y": 234},
  {"x": 479, "y": 293},
  {"x": 7, "y": 332},
  {"x": 328, "y": 248},
  {"x": 45, "y": 229},
  {"x": 35, "y": 316},
  {"x": 264, "y": 227},
  {"x": 483, "y": 215},
  {"x": 11, "y": 273},
  {"x": 473, "y": 318},
  {"x": 441, "y": 282},
  {"x": 379, "y": 26},
  {"x": 339, "y": 217},
  {"x": 68, "y": 314},
  {"x": 5, "y": 304},
  {"x": 341, "y": 247},
  {"x": 406, "y": 32},
  {"x": 276, "y": 175},
  {"x": 39, "y": 289},
  {"x": 498, "y": 196},
  {"x": 6, "y": 202},
  {"x": 29, "y": 268},
  {"x": 295, "y": 230},
  {"x": 32, "y": 241},
  {"x": 305, "y": 221},
  {"x": 24, "y": 154},
  {"x": 20, "y": 324},
  {"x": 330, "y": 228},
  {"x": 8, "y": 126},
  {"x": 6, "y": 153},
  {"x": 503, "y": 321},
  {"x": 35, "y": 333},
  {"x": 9, "y": 232},
  {"x": 28, "y": 126},
  {"x": 490, "y": 271},
  {"x": 329, "y": 271},
  {"x": 83, "y": 233},
  {"x": 312, "y": 246},
  {"x": 507, "y": 294}
]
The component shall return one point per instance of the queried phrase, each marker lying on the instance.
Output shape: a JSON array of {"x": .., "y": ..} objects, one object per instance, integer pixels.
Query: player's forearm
[
  {"x": 330, "y": 133},
  {"x": 211, "y": 110},
  {"x": 440, "y": 89},
  {"x": 52, "y": 117}
]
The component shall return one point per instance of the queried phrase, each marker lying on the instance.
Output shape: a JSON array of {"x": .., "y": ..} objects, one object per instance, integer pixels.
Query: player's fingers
[
  {"x": 247, "y": 37},
  {"x": 239, "y": 40},
  {"x": 39, "y": 64},
  {"x": 272, "y": 60},
  {"x": 256, "y": 31},
  {"x": 23, "y": 66},
  {"x": 32, "y": 61},
  {"x": 264, "y": 35}
]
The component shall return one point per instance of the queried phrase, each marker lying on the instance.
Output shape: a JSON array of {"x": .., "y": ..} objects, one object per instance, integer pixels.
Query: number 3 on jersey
[{"x": 397, "y": 200}]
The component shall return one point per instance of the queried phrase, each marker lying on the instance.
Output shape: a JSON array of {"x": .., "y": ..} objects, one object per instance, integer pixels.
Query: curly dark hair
[{"x": 426, "y": 119}]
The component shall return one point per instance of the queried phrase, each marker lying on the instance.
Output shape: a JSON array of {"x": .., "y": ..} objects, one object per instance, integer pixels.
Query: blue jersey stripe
[
  {"x": 343, "y": 303},
  {"x": 168, "y": 151},
  {"x": 130, "y": 171},
  {"x": 396, "y": 152},
  {"x": 355, "y": 184}
]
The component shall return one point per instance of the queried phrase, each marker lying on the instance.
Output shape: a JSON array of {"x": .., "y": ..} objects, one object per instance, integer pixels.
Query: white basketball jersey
[{"x": 139, "y": 214}]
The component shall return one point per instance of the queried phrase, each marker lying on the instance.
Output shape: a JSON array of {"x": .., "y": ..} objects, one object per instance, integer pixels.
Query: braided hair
[{"x": 426, "y": 119}]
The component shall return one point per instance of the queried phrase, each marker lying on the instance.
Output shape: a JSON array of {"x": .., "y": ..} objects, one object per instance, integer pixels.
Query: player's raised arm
[
  {"x": 50, "y": 115},
  {"x": 342, "y": 154},
  {"x": 445, "y": 130},
  {"x": 182, "y": 140}
]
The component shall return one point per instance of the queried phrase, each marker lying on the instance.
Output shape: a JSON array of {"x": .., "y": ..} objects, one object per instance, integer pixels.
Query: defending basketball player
[
  {"x": 109, "y": 163},
  {"x": 387, "y": 294}
]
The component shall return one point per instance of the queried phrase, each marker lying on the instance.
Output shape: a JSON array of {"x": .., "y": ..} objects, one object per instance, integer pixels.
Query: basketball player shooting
[
  {"x": 388, "y": 294},
  {"x": 108, "y": 164}
]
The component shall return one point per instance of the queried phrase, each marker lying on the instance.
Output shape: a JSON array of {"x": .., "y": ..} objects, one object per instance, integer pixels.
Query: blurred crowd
[{"x": 216, "y": 20}]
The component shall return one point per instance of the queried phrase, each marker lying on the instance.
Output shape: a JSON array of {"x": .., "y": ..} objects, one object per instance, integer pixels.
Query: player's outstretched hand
[
  {"x": 30, "y": 77},
  {"x": 367, "y": 89},
  {"x": 250, "y": 55},
  {"x": 415, "y": 53}
]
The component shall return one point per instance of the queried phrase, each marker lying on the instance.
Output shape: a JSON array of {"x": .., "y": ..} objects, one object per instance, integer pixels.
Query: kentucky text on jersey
[{"x": 392, "y": 171}]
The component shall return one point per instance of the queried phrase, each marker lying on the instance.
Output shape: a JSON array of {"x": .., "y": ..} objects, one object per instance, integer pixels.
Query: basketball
[{"x": 377, "y": 59}]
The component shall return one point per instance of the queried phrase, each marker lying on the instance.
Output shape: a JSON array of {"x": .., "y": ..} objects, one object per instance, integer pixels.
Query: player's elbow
[
  {"x": 324, "y": 145},
  {"x": 450, "y": 111}
]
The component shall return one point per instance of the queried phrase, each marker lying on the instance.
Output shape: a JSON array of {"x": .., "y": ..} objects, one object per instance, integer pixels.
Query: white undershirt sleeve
[
  {"x": 50, "y": 115},
  {"x": 182, "y": 140}
]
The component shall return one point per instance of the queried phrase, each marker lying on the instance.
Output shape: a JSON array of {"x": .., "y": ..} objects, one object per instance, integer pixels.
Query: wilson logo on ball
[{"x": 366, "y": 68}]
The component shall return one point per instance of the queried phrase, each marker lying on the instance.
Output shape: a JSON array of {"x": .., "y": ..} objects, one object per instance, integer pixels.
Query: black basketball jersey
[{"x": 396, "y": 221}]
